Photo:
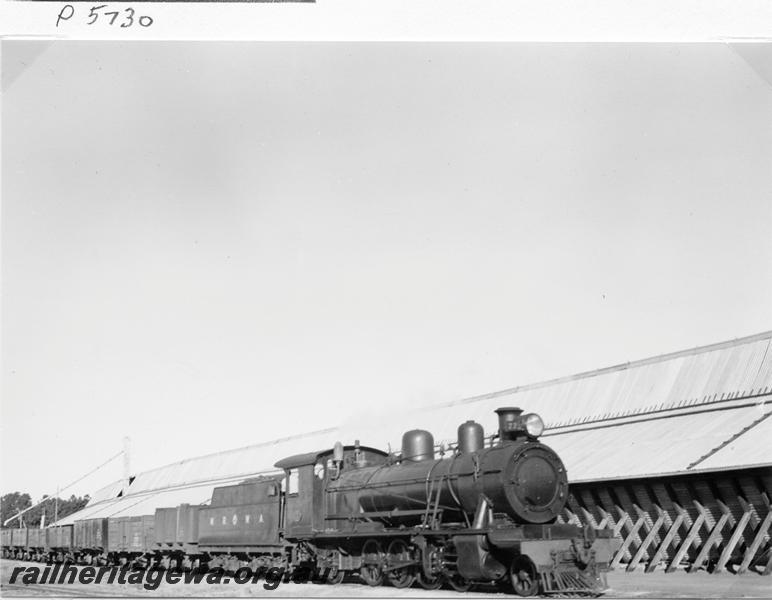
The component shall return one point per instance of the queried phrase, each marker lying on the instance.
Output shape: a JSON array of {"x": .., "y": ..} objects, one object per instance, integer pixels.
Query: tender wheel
[
  {"x": 525, "y": 579},
  {"x": 399, "y": 553},
  {"x": 372, "y": 563}
]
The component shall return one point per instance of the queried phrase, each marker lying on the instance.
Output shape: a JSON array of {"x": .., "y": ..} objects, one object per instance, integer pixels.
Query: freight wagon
[
  {"x": 19, "y": 542},
  {"x": 59, "y": 542},
  {"x": 5, "y": 539},
  {"x": 36, "y": 544},
  {"x": 129, "y": 538},
  {"x": 89, "y": 539},
  {"x": 176, "y": 535}
]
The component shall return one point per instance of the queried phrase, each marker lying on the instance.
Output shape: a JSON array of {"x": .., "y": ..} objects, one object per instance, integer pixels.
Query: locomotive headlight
[{"x": 533, "y": 424}]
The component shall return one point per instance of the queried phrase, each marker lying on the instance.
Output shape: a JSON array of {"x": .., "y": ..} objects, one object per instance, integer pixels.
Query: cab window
[{"x": 292, "y": 481}]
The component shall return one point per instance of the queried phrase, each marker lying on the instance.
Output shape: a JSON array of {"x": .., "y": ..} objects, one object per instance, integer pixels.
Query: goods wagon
[
  {"x": 5, "y": 539},
  {"x": 36, "y": 544},
  {"x": 165, "y": 528},
  {"x": 39, "y": 544},
  {"x": 15, "y": 542},
  {"x": 36, "y": 538},
  {"x": 176, "y": 529},
  {"x": 19, "y": 537},
  {"x": 90, "y": 538},
  {"x": 59, "y": 542},
  {"x": 59, "y": 537},
  {"x": 130, "y": 536}
]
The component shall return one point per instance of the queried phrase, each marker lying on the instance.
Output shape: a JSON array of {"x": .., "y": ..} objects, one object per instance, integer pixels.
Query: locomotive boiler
[{"x": 518, "y": 476}]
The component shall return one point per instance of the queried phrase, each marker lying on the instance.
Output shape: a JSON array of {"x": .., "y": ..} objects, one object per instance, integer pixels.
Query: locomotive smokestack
[{"x": 509, "y": 423}]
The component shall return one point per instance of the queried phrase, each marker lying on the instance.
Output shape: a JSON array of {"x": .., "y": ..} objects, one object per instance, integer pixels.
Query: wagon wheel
[
  {"x": 403, "y": 577},
  {"x": 458, "y": 583},
  {"x": 372, "y": 563},
  {"x": 525, "y": 579}
]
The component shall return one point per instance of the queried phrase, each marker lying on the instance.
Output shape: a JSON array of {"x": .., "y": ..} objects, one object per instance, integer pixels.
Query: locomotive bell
[
  {"x": 417, "y": 445},
  {"x": 471, "y": 437}
]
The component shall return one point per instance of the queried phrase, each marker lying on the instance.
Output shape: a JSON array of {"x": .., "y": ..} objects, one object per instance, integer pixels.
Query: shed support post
[
  {"x": 710, "y": 542},
  {"x": 736, "y": 535},
  {"x": 649, "y": 538},
  {"x": 667, "y": 540},
  {"x": 687, "y": 543},
  {"x": 631, "y": 535},
  {"x": 606, "y": 520},
  {"x": 768, "y": 569},
  {"x": 623, "y": 519},
  {"x": 573, "y": 518},
  {"x": 589, "y": 518},
  {"x": 761, "y": 533}
]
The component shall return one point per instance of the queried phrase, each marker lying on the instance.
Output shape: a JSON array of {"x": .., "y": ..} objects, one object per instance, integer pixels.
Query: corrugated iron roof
[
  {"x": 145, "y": 504},
  {"x": 109, "y": 492},
  {"x": 245, "y": 462},
  {"x": 741, "y": 368},
  {"x": 752, "y": 447},
  {"x": 656, "y": 445},
  {"x": 582, "y": 413}
]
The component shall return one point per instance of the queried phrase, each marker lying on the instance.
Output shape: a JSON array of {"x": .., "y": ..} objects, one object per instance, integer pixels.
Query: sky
[{"x": 207, "y": 245}]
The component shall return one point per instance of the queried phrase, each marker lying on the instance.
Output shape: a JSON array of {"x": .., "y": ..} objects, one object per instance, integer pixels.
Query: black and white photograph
[{"x": 372, "y": 319}]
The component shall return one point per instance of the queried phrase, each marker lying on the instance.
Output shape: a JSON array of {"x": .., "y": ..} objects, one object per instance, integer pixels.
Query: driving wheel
[
  {"x": 372, "y": 563},
  {"x": 399, "y": 554}
]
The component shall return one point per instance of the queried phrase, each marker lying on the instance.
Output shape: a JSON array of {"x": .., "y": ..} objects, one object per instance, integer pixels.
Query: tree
[{"x": 12, "y": 503}]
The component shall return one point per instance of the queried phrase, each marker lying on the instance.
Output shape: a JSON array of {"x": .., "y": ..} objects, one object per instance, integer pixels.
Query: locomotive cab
[{"x": 306, "y": 479}]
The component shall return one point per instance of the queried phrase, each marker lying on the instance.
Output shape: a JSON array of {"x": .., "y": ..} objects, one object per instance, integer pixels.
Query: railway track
[
  {"x": 57, "y": 591},
  {"x": 76, "y": 590}
]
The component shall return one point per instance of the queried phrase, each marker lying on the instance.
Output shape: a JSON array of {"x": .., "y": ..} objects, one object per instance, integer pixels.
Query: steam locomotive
[{"x": 482, "y": 512}]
